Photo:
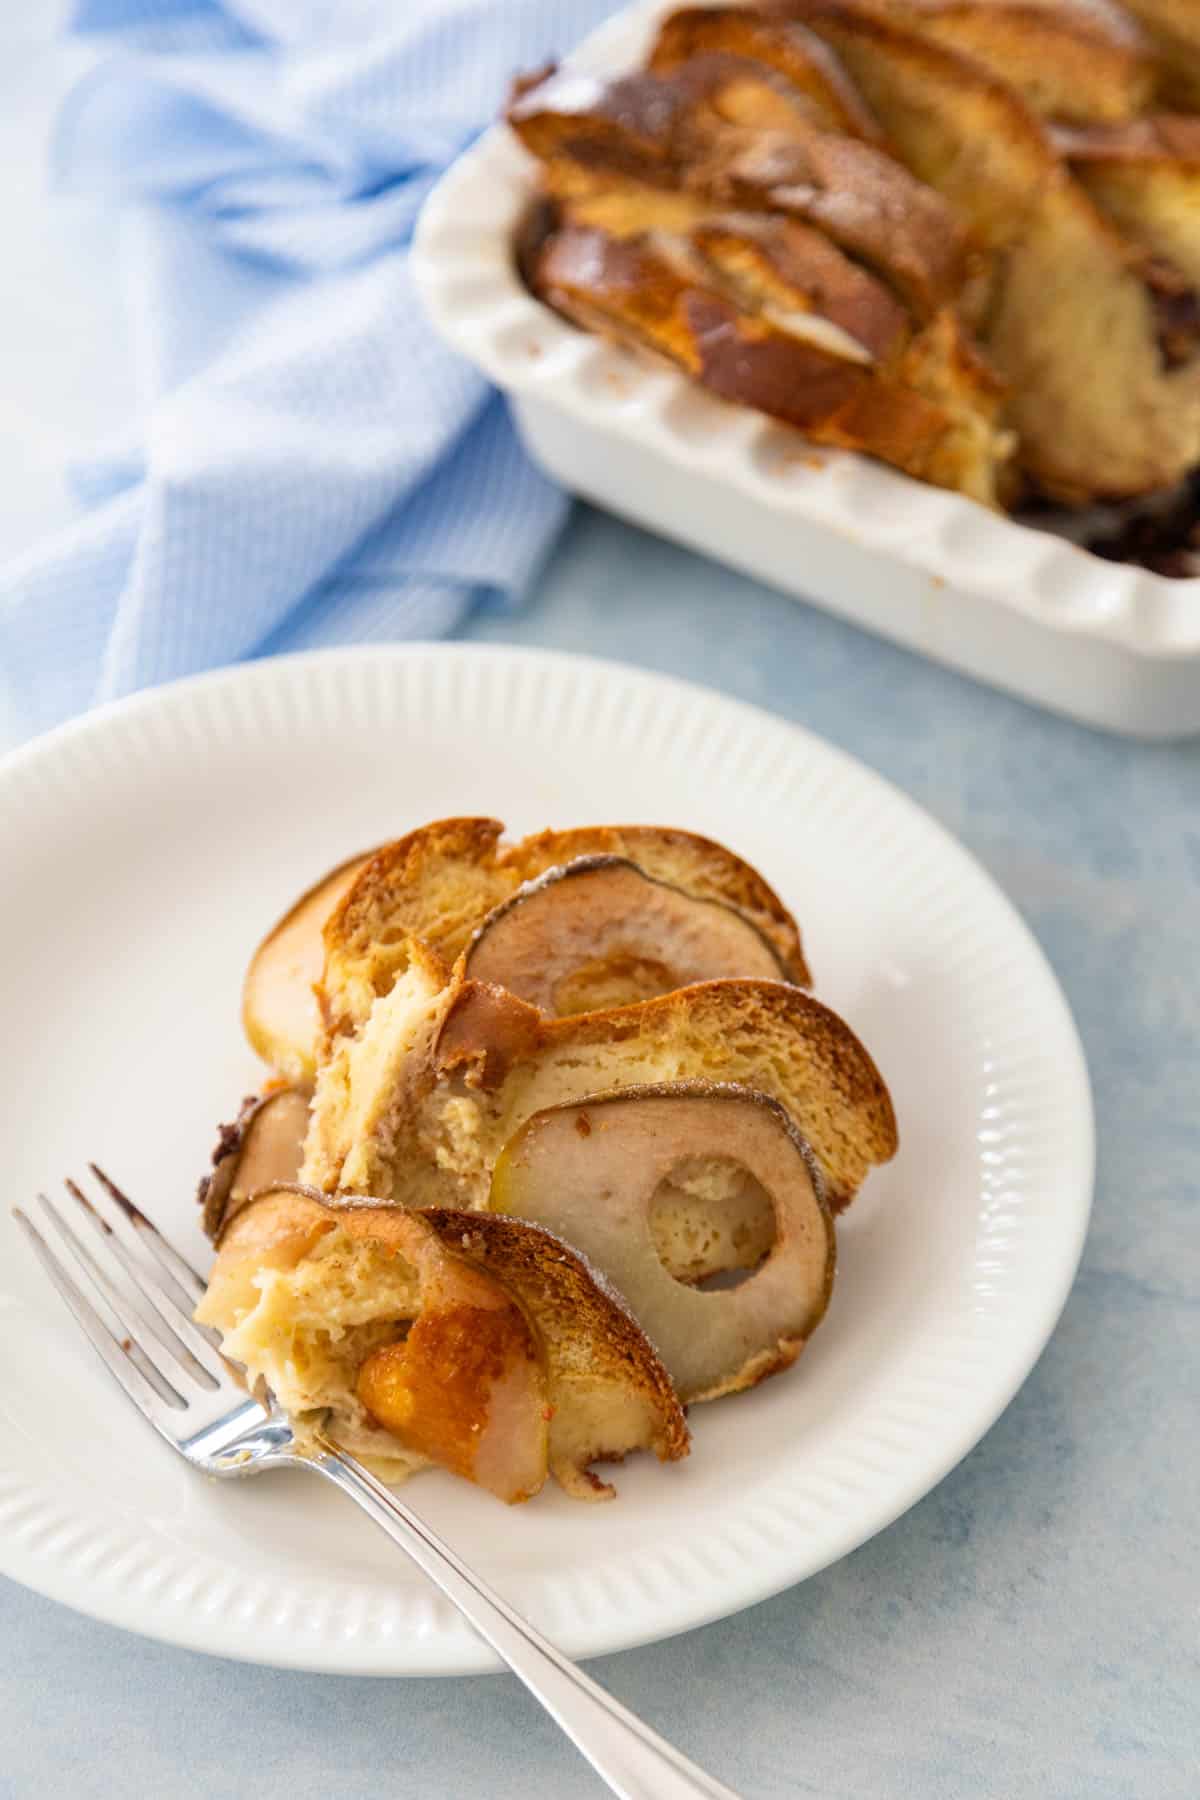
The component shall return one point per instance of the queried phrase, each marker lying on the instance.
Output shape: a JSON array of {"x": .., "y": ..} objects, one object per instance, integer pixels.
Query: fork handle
[{"x": 635, "y": 1762}]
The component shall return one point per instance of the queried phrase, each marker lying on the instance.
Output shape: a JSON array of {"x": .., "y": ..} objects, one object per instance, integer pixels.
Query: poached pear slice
[
  {"x": 279, "y": 1008},
  {"x": 590, "y": 1170},
  {"x": 458, "y": 1380},
  {"x": 600, "y": 932},
  {"x": 264, "y": 1147}
]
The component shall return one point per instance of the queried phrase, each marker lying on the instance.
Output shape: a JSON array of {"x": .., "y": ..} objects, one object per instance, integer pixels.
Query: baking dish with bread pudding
[{"x": 737, "y": 269}]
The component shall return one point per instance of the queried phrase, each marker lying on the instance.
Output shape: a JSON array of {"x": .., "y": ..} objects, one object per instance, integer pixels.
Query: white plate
[
  {"x": 1108, "y": 643},
  {"x": 146, "y": 849}
]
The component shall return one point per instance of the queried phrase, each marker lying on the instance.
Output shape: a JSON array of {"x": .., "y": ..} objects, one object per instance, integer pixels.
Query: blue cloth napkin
[{"x": 312, "y": 465}]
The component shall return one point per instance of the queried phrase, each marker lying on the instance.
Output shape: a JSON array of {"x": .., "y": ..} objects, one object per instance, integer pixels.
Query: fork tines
[{"x": 137, "y": 1310}]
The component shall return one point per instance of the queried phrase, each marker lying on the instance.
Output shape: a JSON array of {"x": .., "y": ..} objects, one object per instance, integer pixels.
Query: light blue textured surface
[
  {"x": 308, "y": 462},
  {"x": 1031, "y": 1628}
]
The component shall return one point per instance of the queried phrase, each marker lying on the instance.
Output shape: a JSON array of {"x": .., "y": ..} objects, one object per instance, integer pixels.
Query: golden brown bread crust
[
  {"x": 1079, "y": 62},
  {"x": 1158, "y": 138},
  {"x": 763, "y": 262},
  {"x": 788, "y": 49},
  {"x": 571, "y": 1309},
  {"x": 628, "y": 291},
  {"x": 1071, "y": 295},
  {"x": 1173, "y": 27},
  {"x": 440, "y": 881},
  {"x": 729, "y": 248},
  {"x": 400, "y": 870},
  {"x": 1145, "y": 175},
  {"x": 866, "y": 202},
  {"x": 766, "y": 264},
  {"x": 658, "y": 130},
  {"x": 956, "y": 126}
]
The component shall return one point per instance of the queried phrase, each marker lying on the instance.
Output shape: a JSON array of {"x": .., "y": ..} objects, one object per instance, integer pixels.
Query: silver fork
[{"x": 139, "y": 1320}]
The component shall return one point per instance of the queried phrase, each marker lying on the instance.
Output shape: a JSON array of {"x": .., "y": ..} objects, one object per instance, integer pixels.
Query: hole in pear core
[{"x": 712, "y": 1222}]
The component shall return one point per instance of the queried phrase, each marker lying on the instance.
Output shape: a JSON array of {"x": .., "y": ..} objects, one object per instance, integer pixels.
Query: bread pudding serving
[
  {"x": 961, "y": 236},
  {"x": 553, "y": 1146}
]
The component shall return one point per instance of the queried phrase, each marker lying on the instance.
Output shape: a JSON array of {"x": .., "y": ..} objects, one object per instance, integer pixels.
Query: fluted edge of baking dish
[{"x": 462, "y": 262}]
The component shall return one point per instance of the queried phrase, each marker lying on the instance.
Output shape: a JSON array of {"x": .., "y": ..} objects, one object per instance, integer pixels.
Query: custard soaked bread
[
  {"x": 417, "y": 1107},
  {"x": 475, "y": 1086},
  {"x": 1173, "y": 27},
  {"x": 1070, "y": 295},
  {"x": 752, "y": 49},
  {"x": 922, "y": 241},
  {"x": 439, "y": 884},
  {"x": 479, "y": 1344},
  {"x": 930, "y": 413},
  {"x": 1082, "y": 61},
  {"x": 1145, "y": 175},
  {"x": 1096, "y": 76},
  {"x": 705, "y": 212},
  {"x": 349, "y": 936}
]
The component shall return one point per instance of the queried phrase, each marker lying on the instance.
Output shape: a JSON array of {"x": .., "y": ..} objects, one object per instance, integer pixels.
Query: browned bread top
[
  {"x": 640, "y": 295},
  {"x": 779, "y": 265},
  {"x": 439, "y": 882},
  {"x": 1173, "y": 27},
  {"x": 1071, "y": 294},
  {"x": 1079, "y": 60},
  {"x": 1145, "y": 175},
  {"x": 1157, "y": 138},
  {"x": 964, "y": 131},
  {"x": 866, "y": 201},
  {"x": 654, "y": 130},
  {"x": 929, "y": 416},
  {"x": 585, "y": 1326},
  {"x": 787, "y": 49}
]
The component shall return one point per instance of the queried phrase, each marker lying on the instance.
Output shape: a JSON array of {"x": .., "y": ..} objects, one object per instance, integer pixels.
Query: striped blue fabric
[{"x": 312, "y": 465}]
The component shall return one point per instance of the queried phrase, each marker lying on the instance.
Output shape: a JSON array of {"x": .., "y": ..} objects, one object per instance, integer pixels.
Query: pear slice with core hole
[
  {"x": 590, "y": 1171},
  {"x": 600, "y": 932},
  {"x": 264, "y": 1147},
  {"x": 279, "y": 1008}
]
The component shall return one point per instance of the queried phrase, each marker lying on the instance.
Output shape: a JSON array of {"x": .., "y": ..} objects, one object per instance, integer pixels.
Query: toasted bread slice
[
  {"x": 480, "y": 1344},
  {"x": 659, "y": 131},
  {"x": 1082, "y": 61},
  {"x": 417, "y": 1107},
  {"x": 1071, "y": 296},
  {"x": 776, "y": 267},
  {"x": 440, "y": 882},
  {"x": 755, "y": 41},
  {"x": 634, "y": 293},
  {"x": 608, "y": 1387},
  {"x": 1173, "y": 27},
  {"x": 1146, "y": 176}
]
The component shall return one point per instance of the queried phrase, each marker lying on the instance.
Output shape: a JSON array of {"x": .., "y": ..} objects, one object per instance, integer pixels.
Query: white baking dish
[{"x": 1107, "y": 643}]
